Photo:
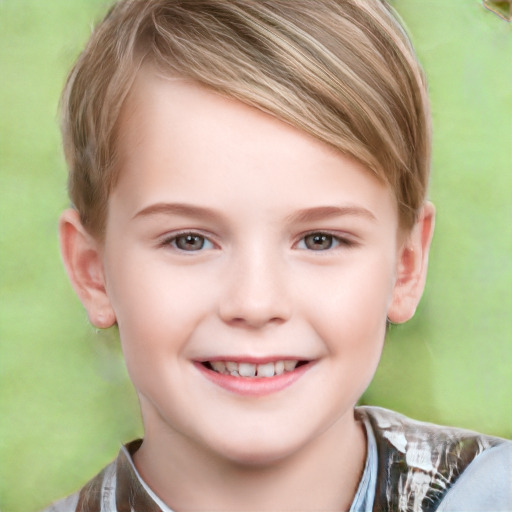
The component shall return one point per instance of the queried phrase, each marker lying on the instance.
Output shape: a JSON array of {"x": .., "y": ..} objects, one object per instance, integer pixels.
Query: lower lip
[{"x": 254, "y": 386}]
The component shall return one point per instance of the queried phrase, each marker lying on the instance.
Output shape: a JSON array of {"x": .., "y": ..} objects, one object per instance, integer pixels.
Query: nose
[{"x": 256, "y": 292}]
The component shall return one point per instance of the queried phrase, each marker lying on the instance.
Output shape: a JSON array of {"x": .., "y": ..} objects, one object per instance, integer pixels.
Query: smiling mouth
[{"x": 252, "y": 370}]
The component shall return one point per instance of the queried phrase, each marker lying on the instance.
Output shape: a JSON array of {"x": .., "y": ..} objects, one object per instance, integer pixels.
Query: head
[{"x": 249, "y": 185}]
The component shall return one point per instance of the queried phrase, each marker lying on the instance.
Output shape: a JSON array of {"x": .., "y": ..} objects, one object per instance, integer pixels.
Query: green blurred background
[{"x": 66, "y": 403}]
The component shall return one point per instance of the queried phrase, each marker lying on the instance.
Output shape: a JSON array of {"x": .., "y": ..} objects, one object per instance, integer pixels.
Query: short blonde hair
[{"x": 342, "y": 70}]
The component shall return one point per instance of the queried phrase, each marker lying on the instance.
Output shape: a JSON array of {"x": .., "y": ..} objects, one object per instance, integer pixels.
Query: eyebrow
[
  {"x": 302, "y": 216},
  {"x": 185, "y": 210},
  {"x": 326, "y": 212}
]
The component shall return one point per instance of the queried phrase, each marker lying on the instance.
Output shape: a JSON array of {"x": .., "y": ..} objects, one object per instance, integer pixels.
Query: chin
[{"x": 258, "y": 452}]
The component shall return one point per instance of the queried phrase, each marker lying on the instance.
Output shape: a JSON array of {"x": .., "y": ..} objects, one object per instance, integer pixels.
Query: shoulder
[
  {"x": 90, "y": 496},
  {"x": 117, "y": 487},
  {"x": 421, "y": 465},
  {"x": 486, "y": 484},
  {"x": 65, "y": 505},
  {"x": 400, "y": 430}
]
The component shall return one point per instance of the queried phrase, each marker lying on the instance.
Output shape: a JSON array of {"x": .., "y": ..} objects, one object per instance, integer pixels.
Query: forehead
[
  {"x": 190, "y": 111},
  {"x": 179, "y": 138}
]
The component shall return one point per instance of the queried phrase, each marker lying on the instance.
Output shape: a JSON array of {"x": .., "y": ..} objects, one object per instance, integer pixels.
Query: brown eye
[
  {"x": 319, "y": 241},
  {"x": 190, "y": 242}
]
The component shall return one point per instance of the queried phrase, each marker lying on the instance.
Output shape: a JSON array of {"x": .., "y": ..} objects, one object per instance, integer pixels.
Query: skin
[{"x": 252, "y": 190}]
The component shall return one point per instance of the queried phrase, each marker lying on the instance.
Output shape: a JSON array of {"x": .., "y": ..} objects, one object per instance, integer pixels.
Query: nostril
[{"x": 255, "y": 320}]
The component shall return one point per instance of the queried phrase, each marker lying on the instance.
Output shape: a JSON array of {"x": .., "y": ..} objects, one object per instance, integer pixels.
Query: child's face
[{"x": 232, "y": 236}]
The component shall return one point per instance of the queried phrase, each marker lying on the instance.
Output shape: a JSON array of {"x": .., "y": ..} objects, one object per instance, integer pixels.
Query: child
[{"x": 249, "y": 187}]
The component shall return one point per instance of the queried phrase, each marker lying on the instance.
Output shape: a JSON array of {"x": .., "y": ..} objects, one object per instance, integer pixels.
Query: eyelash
[
  {"x": 173, "y": 241},
  {"x": 333, "y": 241}
]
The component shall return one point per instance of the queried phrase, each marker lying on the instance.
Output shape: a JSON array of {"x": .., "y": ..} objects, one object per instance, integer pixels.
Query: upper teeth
[{"x": 254, "y": 370}]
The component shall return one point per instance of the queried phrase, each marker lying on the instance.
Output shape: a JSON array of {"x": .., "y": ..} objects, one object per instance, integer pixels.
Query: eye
[
  {"x": 319, "y": 242},
  {"x": 189, "y": 242}
]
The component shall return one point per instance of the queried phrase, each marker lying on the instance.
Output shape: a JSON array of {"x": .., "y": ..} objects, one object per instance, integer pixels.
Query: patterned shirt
[{"x": 410, "y": 467}]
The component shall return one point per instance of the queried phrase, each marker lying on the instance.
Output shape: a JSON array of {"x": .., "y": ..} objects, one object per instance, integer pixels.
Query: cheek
[
  {"x": 352, "y": 326},
  {"x": 351, "y": 312},
  {"x": 157, "y": 306}
]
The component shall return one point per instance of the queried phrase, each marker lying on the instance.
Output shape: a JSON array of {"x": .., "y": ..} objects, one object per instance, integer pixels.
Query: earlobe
[
  {"x": 81, "y": 254},
  {"x": 412, "y": 268}
]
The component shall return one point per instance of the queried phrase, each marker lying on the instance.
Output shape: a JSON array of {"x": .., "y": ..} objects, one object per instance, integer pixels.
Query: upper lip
[{"x": 253, "y": 359}]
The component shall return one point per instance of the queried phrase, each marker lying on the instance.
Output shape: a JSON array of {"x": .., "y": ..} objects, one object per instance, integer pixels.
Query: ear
[
  {"x": 412, "y": 267},
  {"x": 83, "y": 261}
]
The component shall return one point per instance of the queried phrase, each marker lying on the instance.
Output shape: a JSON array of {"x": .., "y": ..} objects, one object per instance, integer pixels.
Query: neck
[{"x": 323, "y": 475}]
